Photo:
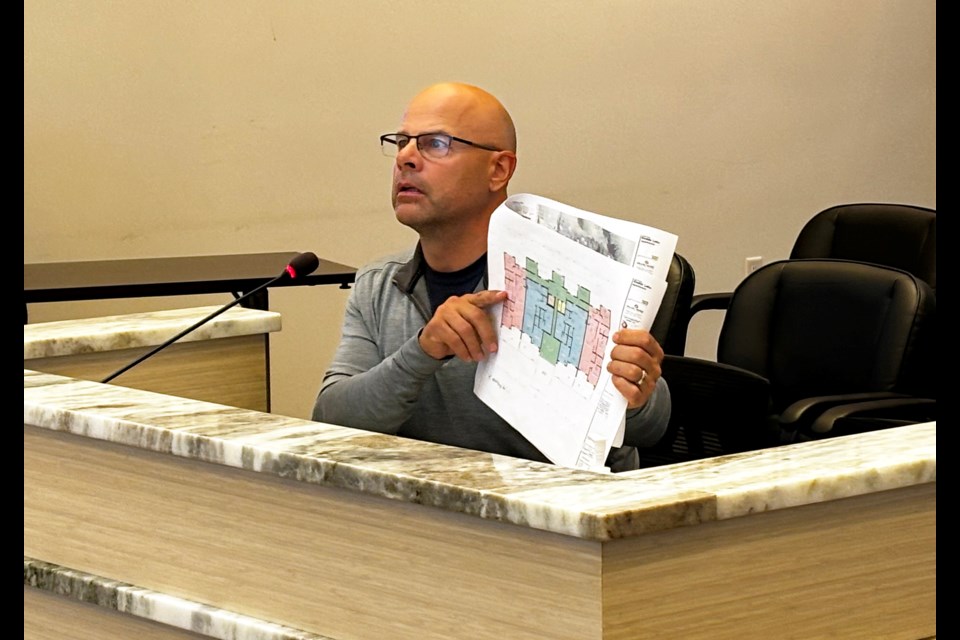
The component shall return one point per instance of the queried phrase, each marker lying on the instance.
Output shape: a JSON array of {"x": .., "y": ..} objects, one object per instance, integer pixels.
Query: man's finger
[
  {"x": 484, "y": 299},
  {"x": 641, "y": 339},
  {"x": 468, "y": 330},
  {"x": 481, "y": 322}
]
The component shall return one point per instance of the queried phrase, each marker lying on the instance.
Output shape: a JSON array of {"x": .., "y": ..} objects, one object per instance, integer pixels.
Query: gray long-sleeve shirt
[{"x": 382, "y": 380}]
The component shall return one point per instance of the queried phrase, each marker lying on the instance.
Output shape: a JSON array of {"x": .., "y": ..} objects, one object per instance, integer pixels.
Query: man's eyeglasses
[{"x": 431, "y": 145}]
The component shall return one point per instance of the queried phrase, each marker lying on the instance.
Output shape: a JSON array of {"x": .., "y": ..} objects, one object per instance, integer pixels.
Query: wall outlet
[{"x": 751, "y": 264}]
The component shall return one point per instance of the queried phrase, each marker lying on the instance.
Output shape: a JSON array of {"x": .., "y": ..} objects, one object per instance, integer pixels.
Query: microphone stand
[
  {"x": 210, "y": 317},
  {"x": 301, "y": 265}
]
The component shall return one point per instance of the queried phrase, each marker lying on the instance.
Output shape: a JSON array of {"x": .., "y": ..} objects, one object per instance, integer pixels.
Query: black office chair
[
  {"x": 902, "y": 236},
  {"x": 895, "y": 235},
  {"x": 670, "y": 325},
  {"x": 801, "y": 338}
]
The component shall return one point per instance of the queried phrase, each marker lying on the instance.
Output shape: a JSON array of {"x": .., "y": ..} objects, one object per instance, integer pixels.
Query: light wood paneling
[
  {"x": 232, "y": 371},
  {"x": 51, "y": 617},
  {"x": 351, "y": 565},
  {"x": 863, "y": 567},
  {"x": 323, "y": 560}
]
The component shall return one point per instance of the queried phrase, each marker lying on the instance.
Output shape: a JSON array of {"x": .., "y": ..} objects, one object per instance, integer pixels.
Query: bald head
[
  {"x": 448, "y": 198},
  {"x": 477, "y": 115}
]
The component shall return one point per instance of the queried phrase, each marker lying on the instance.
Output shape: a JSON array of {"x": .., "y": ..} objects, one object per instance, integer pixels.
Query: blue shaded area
[
  {"x": 568, "y": 328},
  {"x": 570, "y": 331},
  {"x": 537, "y": 316}
]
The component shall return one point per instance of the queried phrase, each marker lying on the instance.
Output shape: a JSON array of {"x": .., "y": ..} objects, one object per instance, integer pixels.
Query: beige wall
[{"x": 156, "y": 128}]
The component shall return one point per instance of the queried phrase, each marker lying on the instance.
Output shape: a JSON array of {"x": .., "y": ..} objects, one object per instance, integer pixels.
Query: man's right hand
[{"x": 462, "y": 327}]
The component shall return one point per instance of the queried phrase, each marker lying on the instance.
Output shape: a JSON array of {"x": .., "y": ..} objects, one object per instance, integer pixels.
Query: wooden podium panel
[
  {"x": 323, "y": 560},
  {"x": 47, "y": 616},
  {"x": 857, "y": 568},
  {"x": 234, "y": 371},
  {"x": 225, "y": 359},
  {"x": 345, "y": 534}
]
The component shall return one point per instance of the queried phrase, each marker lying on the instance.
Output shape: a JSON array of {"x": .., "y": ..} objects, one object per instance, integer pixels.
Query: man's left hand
[{"x": 635, "y": 365}]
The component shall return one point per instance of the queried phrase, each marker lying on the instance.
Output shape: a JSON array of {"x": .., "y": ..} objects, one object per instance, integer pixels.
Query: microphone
[{"x": 302, "y": 265}]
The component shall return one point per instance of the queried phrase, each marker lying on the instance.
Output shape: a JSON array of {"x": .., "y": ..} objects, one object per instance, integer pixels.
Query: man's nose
[{"x": 409, "y": 155}]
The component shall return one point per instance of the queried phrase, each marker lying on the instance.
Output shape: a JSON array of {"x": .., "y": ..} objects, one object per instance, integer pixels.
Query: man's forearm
[
  {"x": 646, "y": 425},
  {"x": 380, "y": 398}
]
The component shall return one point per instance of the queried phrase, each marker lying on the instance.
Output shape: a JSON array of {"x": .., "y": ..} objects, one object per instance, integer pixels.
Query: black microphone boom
[{"x": 302, "y": 264}]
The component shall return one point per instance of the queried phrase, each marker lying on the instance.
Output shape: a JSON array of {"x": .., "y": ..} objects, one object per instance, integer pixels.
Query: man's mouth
[{"x": 405, "y": 188}]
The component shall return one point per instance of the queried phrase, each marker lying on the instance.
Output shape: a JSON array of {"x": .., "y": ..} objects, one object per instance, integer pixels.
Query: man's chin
[{"x": 408, "y": 213}]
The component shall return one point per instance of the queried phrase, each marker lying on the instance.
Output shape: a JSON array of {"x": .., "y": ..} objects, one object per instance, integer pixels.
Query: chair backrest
[
  {"x": 670, "y": 325},
  {"x": 825, "y": 327},
  {"x": 895, "y": 235}
]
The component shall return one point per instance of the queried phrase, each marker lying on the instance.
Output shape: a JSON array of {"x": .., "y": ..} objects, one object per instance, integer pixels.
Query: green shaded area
[
  {"x": 550, "y": 349},
  {"x": 555, "y": 286}
]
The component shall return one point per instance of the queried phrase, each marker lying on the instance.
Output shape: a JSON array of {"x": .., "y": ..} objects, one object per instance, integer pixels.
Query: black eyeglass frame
[{"x": 388, "y": 137}]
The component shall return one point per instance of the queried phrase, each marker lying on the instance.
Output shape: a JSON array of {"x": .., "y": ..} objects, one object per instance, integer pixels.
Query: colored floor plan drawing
[{"x": 563, "y": 326}]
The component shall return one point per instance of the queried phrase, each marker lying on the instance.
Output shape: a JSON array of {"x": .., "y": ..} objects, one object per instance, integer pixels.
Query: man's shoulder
[{"x": 385, "y": 266}]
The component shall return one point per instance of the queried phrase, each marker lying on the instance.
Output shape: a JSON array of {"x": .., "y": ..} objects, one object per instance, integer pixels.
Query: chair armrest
[
  {"x": 681, "y": 322},
  {"x": 707, "y": 301},
  {"x": 806, "y": 410},
  {"x": 859, "y": 417}
]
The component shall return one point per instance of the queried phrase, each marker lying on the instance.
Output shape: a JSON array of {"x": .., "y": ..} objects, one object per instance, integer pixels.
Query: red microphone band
[{"x": 302, "y": 264}]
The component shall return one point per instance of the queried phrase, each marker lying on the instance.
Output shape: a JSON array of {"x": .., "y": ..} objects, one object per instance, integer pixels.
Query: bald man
[{"x": 417, "y": 323}]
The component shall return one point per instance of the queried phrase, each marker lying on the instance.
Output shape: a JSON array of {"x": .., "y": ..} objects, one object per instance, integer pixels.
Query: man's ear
[{"x": 501, "y": 169}]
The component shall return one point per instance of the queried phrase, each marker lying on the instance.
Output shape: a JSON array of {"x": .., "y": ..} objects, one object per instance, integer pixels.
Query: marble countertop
[
  {"x": 71, "y": 337},
  {"x": 151, "y": 605},
  {"x": 577, "y": 503}
]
